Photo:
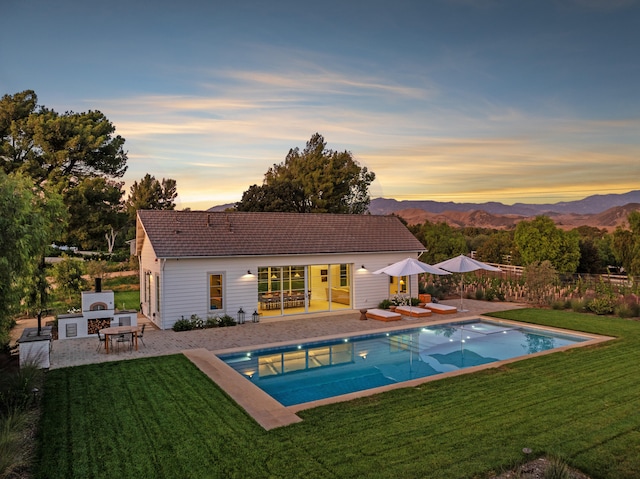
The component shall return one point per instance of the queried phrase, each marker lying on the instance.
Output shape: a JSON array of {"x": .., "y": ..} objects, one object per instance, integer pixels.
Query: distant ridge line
[{"x": 590, "y": 205}]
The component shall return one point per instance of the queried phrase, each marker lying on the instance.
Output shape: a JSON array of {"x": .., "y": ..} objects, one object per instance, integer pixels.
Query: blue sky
[{"x": 449, "y": 100}]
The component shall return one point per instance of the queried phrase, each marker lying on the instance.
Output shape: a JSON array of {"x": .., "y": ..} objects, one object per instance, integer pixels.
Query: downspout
[{"x": 161, "y": 302}]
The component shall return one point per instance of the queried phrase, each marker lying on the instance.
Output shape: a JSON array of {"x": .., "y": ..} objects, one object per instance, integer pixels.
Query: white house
[{"x": 273, "y": 264}]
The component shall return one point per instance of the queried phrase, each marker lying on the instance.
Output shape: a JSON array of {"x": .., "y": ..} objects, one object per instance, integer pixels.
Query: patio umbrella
[
  {"x": 464, "y": 264},
  {"x": 409, "y": 267}
]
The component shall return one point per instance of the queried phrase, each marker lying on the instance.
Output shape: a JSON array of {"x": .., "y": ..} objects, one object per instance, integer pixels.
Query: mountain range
[{"x": 601, "y": 211}]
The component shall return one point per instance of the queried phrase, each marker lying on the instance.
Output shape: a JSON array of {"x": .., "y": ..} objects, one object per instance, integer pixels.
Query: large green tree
[
  {"x": 30, "y": 220},
  {"x": 95, "y": 210},
  {"x": 626, "y": 244},
  {"x": 440, "y": 240},
  {"x": 50, "y": 146},
  {"x": 314, "y": 180},
  {"x": 499, "y": 248},
  {"x": 151, "y": 194},
  {"x": 62, "y": 150},
  {"x": 539, "y": 240}
]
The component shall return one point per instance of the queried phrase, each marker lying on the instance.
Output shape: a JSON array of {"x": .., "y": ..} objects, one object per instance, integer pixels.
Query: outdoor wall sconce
[
  {"x": 240, "y": 316},
  {"x": 256, "y": 316}
]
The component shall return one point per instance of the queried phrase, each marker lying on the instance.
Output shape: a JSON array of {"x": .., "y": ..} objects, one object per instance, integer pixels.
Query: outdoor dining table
[{"x": 117, "y": 330}]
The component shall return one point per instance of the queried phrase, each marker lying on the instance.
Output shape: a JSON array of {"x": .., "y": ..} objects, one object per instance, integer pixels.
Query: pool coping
[{"x": 270, "y": 413}]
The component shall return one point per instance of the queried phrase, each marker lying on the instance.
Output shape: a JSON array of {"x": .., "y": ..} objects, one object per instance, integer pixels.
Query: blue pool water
[{"x": 318, "y": 370}]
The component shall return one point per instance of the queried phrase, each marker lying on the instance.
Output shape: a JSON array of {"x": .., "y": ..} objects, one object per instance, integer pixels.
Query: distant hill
[
  {"x": 588, "y": 206},
  {"x": 608, "y": 220},
  {"x": 222, "y": 207},
  {"x": 600, "y": 211}
]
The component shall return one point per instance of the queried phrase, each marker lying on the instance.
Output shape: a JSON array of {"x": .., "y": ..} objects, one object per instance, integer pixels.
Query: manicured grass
[
  {"x": 128, "y": 299},
  {"x": 162, "y": 418}
]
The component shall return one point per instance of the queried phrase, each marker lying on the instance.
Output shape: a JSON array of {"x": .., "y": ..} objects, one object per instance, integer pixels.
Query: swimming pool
[{"x": 302, "y": 373}]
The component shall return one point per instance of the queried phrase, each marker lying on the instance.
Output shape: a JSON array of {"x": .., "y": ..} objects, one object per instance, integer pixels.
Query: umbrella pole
[{"x": 462, "y": 310}]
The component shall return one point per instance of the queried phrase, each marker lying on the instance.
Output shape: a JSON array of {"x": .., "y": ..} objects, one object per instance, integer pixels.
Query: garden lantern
[{"x": 240, "y": 316}]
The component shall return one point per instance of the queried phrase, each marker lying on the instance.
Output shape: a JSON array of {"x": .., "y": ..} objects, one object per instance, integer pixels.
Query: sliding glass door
[{"x": 284, "y": 290}]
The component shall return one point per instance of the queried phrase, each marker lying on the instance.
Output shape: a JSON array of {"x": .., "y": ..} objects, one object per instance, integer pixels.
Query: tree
[
  {"x": 440, "y": 240},
  {"x": 594, "y": 250},
  {"x": 95, "y": 207},
  {"x": 62, "y": 150},
  {"x": 314, "y": 180},
  {"x": 30, "y": 220},
  {"x": 67, "y": 275},
  {"x": 49, "y": 146},
  {"x": 626, "y": 244},
  {"x": 498, "y": 248},
  {"x": 539, "y": 240},
  {"x": 151, "y": 194}
]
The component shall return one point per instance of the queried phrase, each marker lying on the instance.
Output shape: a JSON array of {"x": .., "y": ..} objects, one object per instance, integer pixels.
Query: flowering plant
[{"x": 398, "y": 300}]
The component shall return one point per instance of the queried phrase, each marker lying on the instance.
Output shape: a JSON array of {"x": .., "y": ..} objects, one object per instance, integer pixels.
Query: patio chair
[
  {"x": 102, "y": 341},
  {"x": 125, "y": 338},
  {"x": 141, "y": 334}
]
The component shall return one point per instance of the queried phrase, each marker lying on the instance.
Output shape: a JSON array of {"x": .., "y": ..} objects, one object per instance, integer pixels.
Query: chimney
[{"x": 98, "y": 283}]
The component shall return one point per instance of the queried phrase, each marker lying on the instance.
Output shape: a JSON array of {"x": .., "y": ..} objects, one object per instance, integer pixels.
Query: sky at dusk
[{"x": 529, "y": 101}]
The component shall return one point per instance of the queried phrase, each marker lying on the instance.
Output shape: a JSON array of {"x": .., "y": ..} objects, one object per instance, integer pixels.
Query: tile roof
[{"x": 178, "y": 234}]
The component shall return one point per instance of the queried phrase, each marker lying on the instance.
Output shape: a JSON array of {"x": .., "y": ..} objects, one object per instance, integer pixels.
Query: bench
[
  {"x": 441, "y": 308},
  {"x": 413, "y": 311},
  {"x": 383, "y": 315}
]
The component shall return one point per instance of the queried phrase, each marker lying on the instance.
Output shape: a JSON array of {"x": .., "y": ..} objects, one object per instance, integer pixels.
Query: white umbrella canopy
[
  {"x": 408, "y": 267},
  {"x": 464, "y": 264}
]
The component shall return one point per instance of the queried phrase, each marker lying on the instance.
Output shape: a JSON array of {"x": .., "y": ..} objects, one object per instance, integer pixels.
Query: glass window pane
[{"x": 215, "y": 291}]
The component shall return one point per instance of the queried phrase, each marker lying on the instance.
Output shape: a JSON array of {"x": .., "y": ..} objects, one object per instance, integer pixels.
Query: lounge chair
[
  {"x": 383, "y": 315},
  {"x": 441, "y": 308},
  {"x": 413, "y": 311}
]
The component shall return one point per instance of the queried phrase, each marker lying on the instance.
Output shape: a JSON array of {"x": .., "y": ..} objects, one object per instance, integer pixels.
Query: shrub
[
  {"x": 16, "y": 389},
  {"x": 623, "y": 310},
  {"x": 479, "y": 293},
  {"x": 384, "y": 304},
  {"x": 226, "y": 320},
  {"x": 601, "y": 305},
  {"x": 490, "y": 294},
  {"x": 558, "y": 305},
  {"x": 399, "y": 300},
  {"x": 212, "y": 322},
  {"x": 578, "y": 305},
  {"x": 183, "y": 324},
  {"x": 12, "y": 451}
]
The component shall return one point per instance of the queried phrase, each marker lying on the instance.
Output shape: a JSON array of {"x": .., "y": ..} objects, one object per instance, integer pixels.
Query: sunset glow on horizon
[{"x": 445, "y": 100}]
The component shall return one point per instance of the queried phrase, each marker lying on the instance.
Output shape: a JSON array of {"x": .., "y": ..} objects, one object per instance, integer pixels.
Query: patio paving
[{"x": 76, "y": 352}]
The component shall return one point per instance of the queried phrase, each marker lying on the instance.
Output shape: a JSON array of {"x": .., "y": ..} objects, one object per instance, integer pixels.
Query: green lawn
[
  {"x": 162, "y": 418},
  {"x": 128, "y": 299}
]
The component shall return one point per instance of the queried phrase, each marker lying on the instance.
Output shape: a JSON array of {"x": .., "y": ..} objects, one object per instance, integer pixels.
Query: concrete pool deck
[{"x": 79, "y": 351}]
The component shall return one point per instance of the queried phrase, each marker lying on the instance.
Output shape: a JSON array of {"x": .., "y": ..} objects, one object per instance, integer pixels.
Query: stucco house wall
[{"x": 175, "y": 285}]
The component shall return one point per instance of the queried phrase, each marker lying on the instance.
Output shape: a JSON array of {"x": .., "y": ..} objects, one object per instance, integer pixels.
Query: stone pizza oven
[{"x": 98, "y": 312}]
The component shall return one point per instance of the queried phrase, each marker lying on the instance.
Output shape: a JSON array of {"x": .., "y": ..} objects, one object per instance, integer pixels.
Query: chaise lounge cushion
[
  {"x": 413, "y": 311},
  {"x": 383, "y": 315},
  {"x": 441, "y": 308}
]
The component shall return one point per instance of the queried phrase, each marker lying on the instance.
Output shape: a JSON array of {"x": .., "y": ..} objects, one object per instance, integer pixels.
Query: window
[
  {"x": 157, "y": 292},
  {"x": 215, "y": 292},
  {"x": 147, "y": 287}
]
